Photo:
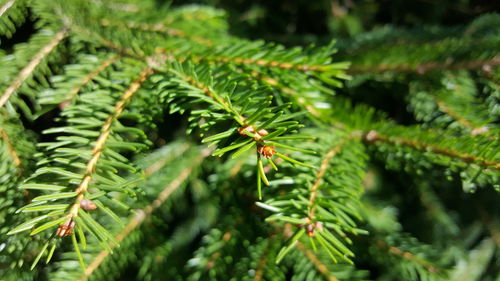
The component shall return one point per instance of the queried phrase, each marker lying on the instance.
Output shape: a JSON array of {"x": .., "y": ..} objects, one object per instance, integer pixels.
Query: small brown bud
[
  {"x": 266, "y": 150},
  {"x": 88, "y": 205}
]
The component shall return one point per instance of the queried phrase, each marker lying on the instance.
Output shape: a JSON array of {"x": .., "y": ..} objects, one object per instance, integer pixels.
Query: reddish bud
[{"x": 66, "y": 229}]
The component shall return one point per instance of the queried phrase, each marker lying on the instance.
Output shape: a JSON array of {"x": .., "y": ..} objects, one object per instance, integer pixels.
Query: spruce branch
[
  {"x": 89, "y": 77},
  {"x": 317, "y": 262},
  {"x": 33, "y": 63},
  {"x": 101, "y": 142},
  {"x": 159, "y": 28},
  {"x": 374, "y": 137},
  {"x": 407, "y": 255},
  {"x": 144, "y": 213},
  {"x": 321, "y": 173},
  {"x": 424, "y": 68}
]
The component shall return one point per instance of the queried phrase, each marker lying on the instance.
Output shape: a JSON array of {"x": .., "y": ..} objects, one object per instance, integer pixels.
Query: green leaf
[
  {"x": 45, "y": 208},
  {"x": 293, "y": 161},
  {"x": 221, "y": 151},
  {"x": 109, "y": 212},
  {"x": 335, "y": 242},
  {"x": 242, "y": 150},
  {"x": 276, "y": 133},
  {"x": 36, "y": 186},
  {"x": 272, "y": 164},
  {"x": 27, "y": 225},
  {"x": 42, "y": 251},
  {"x": 77, "y": 251},
  {"x": 55, "y": 196},
  {"x": 81, "y": 236},
  {"x": 261, "y": 171},
  {"x": 51, "y": 252},
  {"x": 327, "y": 247},
  {"x": 102, "y": 233},
  {"x": 48, "y": 225},
  {"x": 280, "y": 217},
  {"x": 291, "y": 243},
  {"x": 293, "y": 148},
  {"x": 259, "y": 186},
  {"x": 219, "y": 136},
  {"x": 57, "y": 171}
]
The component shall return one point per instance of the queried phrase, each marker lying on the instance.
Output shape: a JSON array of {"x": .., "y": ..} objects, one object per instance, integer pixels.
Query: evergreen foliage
[{"x": 141, "y": 141}]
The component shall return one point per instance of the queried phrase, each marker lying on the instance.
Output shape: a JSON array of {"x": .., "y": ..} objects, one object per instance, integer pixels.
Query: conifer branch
[
  {"x": 213, "y": 95},
  {"x": 105, "y": 64},
  {"x": 453, "y": 114},
  {"x": 260, "y": 62},
  {"x": 106, "y": 42},
  {"x": 423, "y": 68},
  {"x": 373, "y": 137},
  {"x": 101, "y": 142},
  {"x": 321, "y": 172},
  {"x": 30, "y": 67},
  {"x": 287, "y": 90},
  {"x": 146, "y": 212},
  {"x": 408, "y": 255},
  {"x": 158, "y": 27},
  {"x": 10, "y": 147},
  {"x": 316, "y": 262}
]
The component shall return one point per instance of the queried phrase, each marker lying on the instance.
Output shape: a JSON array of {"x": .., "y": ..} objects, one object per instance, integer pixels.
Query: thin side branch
[
  {"x": 74, "y": 91},
  {"x": 373, "y": 137},
  {"x": 30, "y": 67},
  {"x": 209, "y": 93},
  {"x": 407, "y": 255},
  {"x": 453, "y": 114},
  {"x": 261, "y": 62},
  {"x": 321, "y": 173},
  {"x": 143, "y": 214},
  {"x": 101, "y": 141},
  {"x": 159, "y": 28},
  {"x": 429, "y": 66},
  {"x": 287, "y": 90}
]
